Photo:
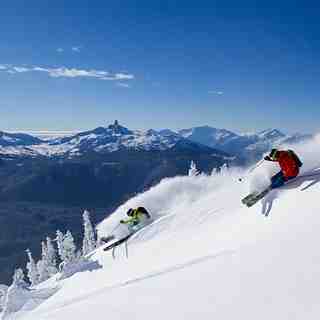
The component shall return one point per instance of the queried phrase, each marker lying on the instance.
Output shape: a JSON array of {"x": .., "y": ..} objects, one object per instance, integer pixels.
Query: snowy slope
[{"x": 207, "y": 256}]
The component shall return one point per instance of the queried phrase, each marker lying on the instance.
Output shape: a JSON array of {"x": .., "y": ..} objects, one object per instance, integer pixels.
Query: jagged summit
[{"x": 116, "y": 128}]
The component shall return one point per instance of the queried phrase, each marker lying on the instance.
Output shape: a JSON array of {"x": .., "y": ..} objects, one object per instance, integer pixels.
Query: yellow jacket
[{"x": 135, "y": 217}]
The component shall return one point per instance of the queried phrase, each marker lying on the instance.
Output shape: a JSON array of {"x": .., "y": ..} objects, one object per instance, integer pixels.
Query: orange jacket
[{"x": 288, "y": 165}]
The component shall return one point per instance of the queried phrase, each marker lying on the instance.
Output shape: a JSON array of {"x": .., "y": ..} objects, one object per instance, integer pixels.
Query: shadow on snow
[{"x": 312, "y": 176}]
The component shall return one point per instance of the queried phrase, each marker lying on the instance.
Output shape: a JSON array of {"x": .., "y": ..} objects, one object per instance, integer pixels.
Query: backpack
[{"x": 295, "y": 158}]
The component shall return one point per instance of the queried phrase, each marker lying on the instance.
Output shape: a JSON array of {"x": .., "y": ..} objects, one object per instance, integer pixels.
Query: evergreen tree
[
  {"x": 51, "y": 257},
  {"x": 214, "y": 172},
  {"x": 224, "y": 169},
  {"x": 3, "y": 295},
  {"x": 69, "y": 248},
  {"x": 89, "y": 238},
  {"x": 59, "y": 240},
  {"x": 193, "y": 171},
  {"x": 43, "y": 264},
  {"x": 18, "y": 279},
  {"x": 17, "y": 295},
  {"x": 33, "y": 273},
  {"x": 66, "y": 247}
]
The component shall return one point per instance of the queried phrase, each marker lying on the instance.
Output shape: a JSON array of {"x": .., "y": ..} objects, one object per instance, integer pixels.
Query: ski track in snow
[{"x": 138, "y": 279}]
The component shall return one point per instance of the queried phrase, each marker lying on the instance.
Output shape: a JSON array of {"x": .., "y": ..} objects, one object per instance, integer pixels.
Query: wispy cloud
[
  {"x": 20, "y": 69},
  {"x": 76, "y": 49},
  {"x": 123, "y": 85},
  {"x": 220, "y": 93},
  {"x": 70, "y": 72}
]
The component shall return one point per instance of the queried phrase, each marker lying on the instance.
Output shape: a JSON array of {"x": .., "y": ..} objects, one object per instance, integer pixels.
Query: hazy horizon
[{"x": 46, "y": 132}]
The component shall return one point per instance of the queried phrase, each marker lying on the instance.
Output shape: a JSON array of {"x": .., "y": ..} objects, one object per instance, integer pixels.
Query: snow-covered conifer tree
[
  {"x": 214, "y": 172},
  {"x": 18, "y": 279},
  {"x": 224, "y": 169},
  {"x": 193, "y": 171},
  {"x": 51, "y": 257},
  {"x": 33, "y": 273},
  {"x": 43, "y": 264},
  {"x": 3, "y": 295},
  {"x": 68, "y": 254},
  {"x": 69, "y": 248},
  {"x": 59, "y": 240},
  {"x": 89, "y": 238},
  {"x": 17, "y": 294}
]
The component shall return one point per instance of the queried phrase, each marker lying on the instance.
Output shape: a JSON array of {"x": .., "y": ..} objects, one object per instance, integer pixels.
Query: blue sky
[{"x": 69, "y": 65}]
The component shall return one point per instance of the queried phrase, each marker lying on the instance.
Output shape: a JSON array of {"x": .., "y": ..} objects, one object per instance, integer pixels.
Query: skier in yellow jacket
[
  {"x": 137, "y": 219},
  {"x": 136, "y": 216}
]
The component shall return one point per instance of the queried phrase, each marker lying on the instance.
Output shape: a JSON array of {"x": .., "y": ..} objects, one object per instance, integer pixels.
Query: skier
[
  {"x": 137, "y": 216},
  {"x": 137, "y": 219},
  {"x": 289, "y": 163}
]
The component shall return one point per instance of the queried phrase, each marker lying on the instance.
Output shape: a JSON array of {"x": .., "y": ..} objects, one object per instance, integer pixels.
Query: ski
[
  {"x": 134, "y": 234},
  {"x": 253, "y": 198},
  {"x": 117, "y": 243}
]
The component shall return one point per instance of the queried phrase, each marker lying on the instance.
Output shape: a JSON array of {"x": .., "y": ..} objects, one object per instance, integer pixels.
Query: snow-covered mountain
[
  {"x": 204, "y": 256},
  {"x": 247, "y": 145},
  {"x": 17, "y": 139},
  {"x": 103, "y": 140},
  {"x": 116, "y": 138}
]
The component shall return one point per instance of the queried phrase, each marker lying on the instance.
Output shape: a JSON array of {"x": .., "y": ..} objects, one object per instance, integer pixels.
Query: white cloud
[
  {"x": 216, "y": 92},
  {"x": 60, "y": 50},
  {"x": 118, "y": 76},
  {"x": 76, "y": 49},
  {"x": 71, "y": 72},
  {"x": 124, "y": 76},
  {"x": 123, "y": 85},
  {"x": 21, "y": 69},
  {"x": 3, "y": 67}
]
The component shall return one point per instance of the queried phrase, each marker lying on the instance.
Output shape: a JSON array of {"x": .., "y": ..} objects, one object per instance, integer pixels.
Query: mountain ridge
[{"x": 115, "y": 137}]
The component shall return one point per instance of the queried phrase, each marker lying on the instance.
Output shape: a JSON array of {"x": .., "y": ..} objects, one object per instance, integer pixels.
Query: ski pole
[{"x": 252, "y": 169}]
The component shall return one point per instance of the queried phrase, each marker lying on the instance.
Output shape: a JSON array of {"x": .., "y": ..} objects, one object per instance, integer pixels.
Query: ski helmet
[
  {"x": 130, "y": 212},
  {"x": 273, "y": 154}
]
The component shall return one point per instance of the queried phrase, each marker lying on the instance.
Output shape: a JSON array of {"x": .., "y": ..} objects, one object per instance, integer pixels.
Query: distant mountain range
[
  {"x": 248, "y": 146},
  {"x": 100, "y": 140},
  {"x": 118, "y": 138}
]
